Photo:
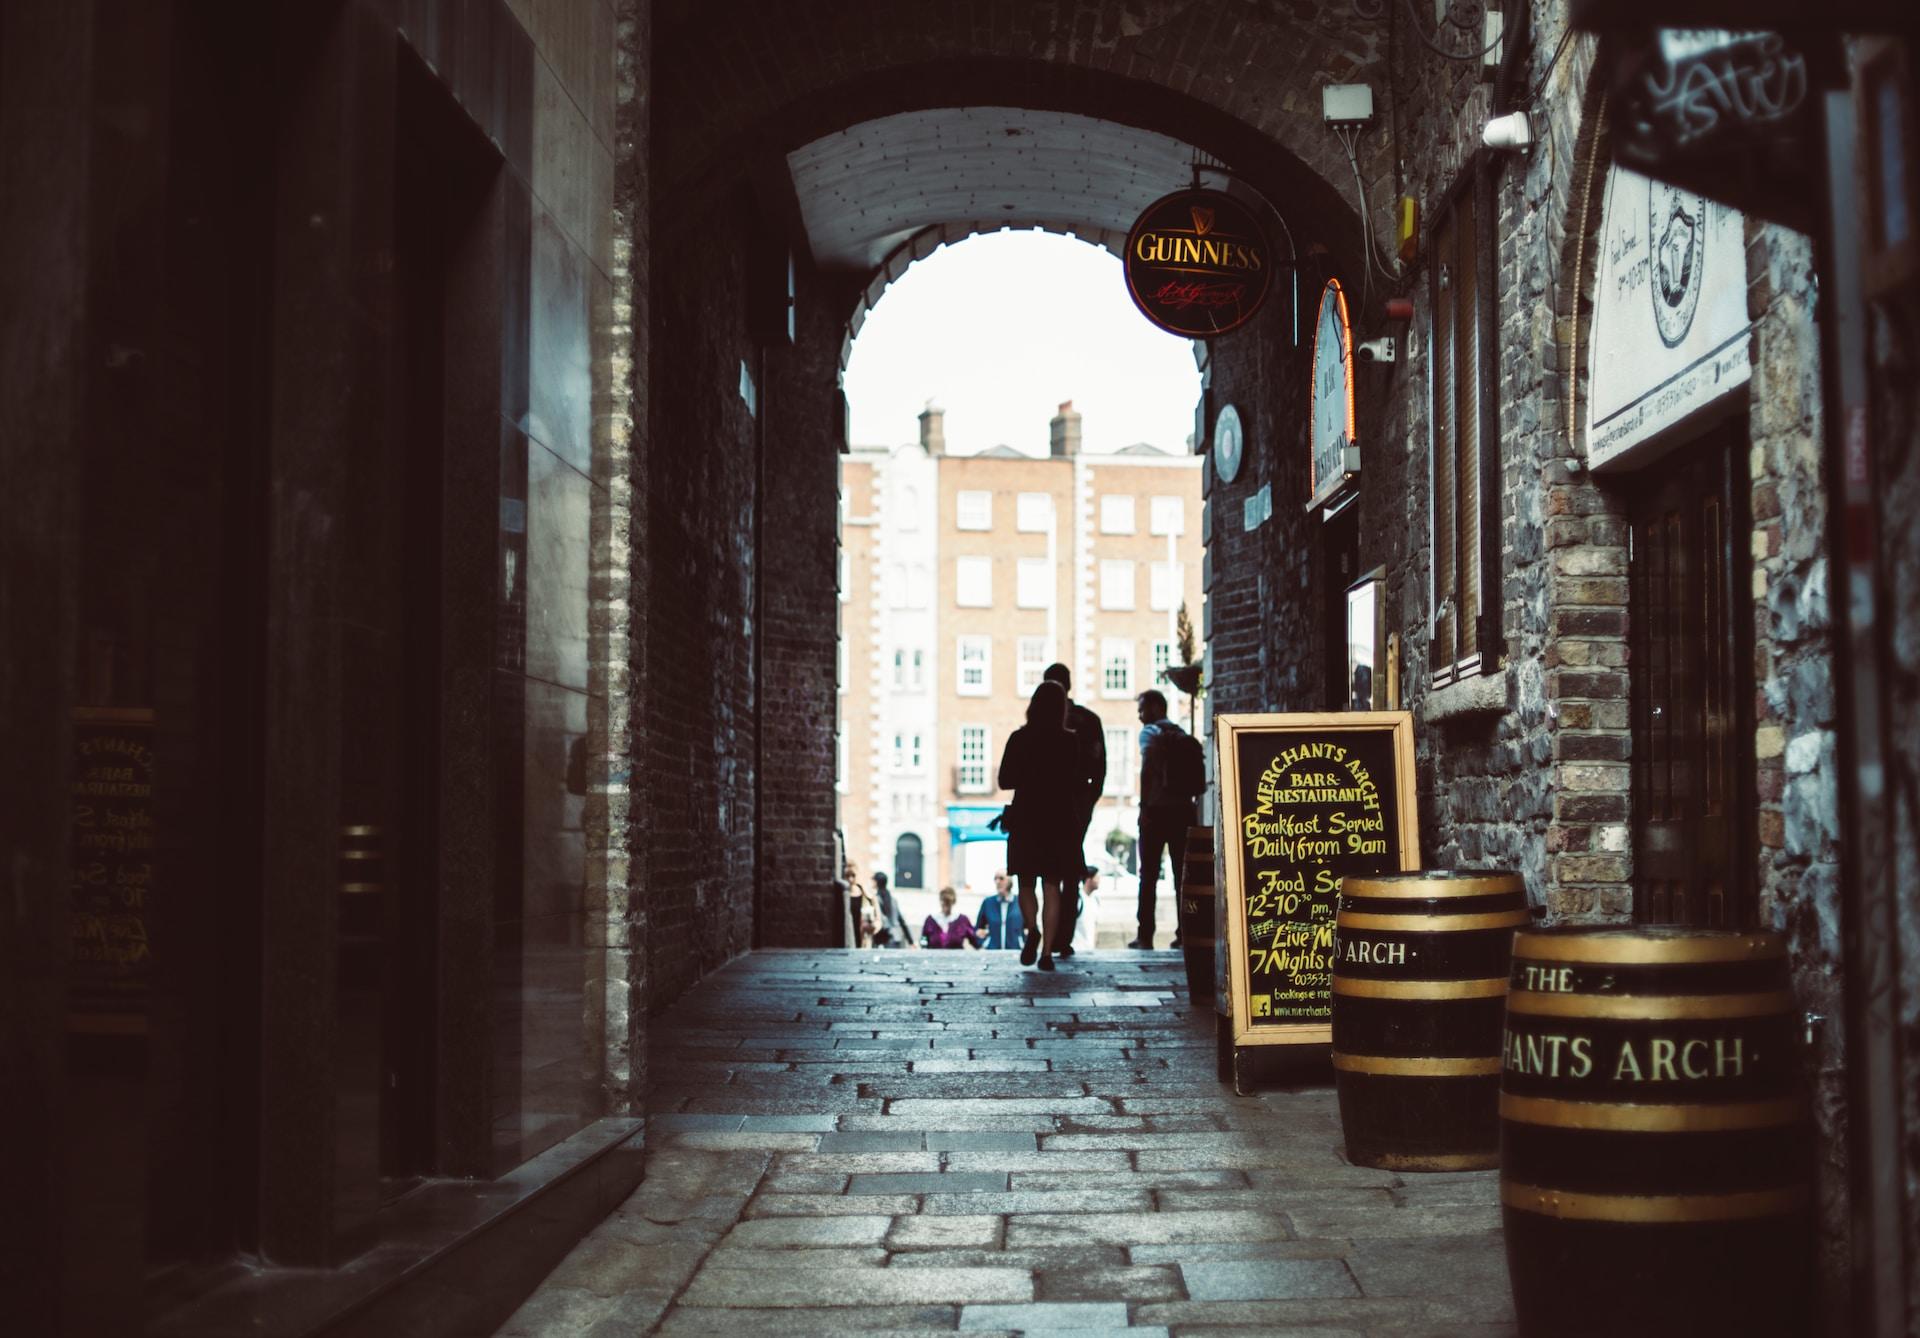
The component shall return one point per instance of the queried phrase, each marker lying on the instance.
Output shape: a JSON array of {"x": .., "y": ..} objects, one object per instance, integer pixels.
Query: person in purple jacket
[{"x": 945, "y": 928}]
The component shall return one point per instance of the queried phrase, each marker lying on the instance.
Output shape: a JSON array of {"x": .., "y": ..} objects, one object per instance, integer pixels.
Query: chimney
[
  {"x": 1065, "y": 431},
  {"x": 933, "y": 432}
]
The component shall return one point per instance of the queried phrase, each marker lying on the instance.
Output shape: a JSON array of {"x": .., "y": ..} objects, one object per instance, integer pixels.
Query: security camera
[{"x": 1375, "y": 350}]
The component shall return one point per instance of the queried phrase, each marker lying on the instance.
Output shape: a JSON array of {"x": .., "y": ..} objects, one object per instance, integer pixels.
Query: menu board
[
  {"x": 112, "y": 861},
  {"x": 1305, "y": 800}
]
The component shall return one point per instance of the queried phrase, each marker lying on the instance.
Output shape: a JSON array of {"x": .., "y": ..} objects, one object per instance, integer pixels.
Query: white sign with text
[{"x": 1670, "y": 320}]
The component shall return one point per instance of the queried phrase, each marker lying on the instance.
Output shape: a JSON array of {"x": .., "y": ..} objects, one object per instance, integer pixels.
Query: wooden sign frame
[{"x": 1229, "y": 729}]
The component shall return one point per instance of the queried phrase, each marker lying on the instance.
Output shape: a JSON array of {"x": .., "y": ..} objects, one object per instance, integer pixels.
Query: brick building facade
[{"x": 963, "y": 577}]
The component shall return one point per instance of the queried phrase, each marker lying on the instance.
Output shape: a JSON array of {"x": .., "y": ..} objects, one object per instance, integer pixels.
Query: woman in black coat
[{"x": 1041, "y": 765}]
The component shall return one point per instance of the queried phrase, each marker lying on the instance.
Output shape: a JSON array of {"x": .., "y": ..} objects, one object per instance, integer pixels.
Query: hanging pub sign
[
  {"x": 1305, "y": 800},
  {"x": 1670, "y": 327},
  {"x": 1334, "y": 439},
  {"x": 1732, "y": 115},
  {"x": 1197, "y": 263}
]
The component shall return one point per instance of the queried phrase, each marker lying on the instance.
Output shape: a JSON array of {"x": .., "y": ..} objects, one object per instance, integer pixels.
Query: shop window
[{"x": 1465, "y": 439}]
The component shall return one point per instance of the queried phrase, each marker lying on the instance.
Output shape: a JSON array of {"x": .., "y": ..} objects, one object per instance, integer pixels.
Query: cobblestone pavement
[{"x": 914, "y": 1142}]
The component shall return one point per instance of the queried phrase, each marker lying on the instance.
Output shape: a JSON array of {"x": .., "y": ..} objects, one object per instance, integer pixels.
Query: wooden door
[{"x": 1692, "y": 687}]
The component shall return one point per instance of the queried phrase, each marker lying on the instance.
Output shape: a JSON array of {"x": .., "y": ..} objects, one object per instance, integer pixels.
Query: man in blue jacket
[
  {"x": 1166, "y": 810},
  {"x": 999, "y": 924}
]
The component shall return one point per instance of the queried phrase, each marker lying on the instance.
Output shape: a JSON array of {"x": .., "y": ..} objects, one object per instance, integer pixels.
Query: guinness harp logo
[{"x": 1197, "y": 263}]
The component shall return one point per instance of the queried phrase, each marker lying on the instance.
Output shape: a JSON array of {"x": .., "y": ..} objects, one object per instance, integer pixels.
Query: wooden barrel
[
  {"x": 1654, "y": 1157},
  {"x": 1419, "y": 983},
  {"x": 1196, "y": 913}
]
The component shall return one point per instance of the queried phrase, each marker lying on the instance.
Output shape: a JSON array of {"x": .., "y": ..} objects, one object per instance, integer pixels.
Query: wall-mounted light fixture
[{"x": 1508, "y": 132}]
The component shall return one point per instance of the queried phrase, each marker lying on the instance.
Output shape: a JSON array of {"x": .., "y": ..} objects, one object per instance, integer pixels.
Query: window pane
[
  {"x": 1034, "y": 658},
  {"x": 1466, "y": 473},
  {"x": 1116, "y": 583},
  {"x": 1165, "y": 580},
  {"x": 1034, "y": 584},
  {"x": 970, "y": 775},
  {"x": 1444, "y": 591},
  {"x": 975, "y": 511},
  {"x": 973, "y": 582},
  {"x": 975, "y": 672},
  {"x": 1116, "y": 667},
  {"x": 1033, "y": 511},
  {"x": 1121, "y": 761},
  {"x": 1116, "y": 514},
  {"x": 1169, "y": 516}
]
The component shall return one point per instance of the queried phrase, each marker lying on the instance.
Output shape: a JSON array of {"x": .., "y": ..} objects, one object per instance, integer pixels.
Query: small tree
[{"x": 1183, "y": 636}]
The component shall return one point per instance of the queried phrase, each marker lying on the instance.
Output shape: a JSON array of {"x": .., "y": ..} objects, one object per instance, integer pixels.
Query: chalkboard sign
[
  {"x": 1305, "y": 800},
  {"x": 113, "y": 843}
]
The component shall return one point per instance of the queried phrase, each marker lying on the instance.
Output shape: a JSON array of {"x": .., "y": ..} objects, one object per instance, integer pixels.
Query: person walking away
[
  {"x": 1000, "y": 923},
  {"x": 1092, "y": 738},
  {"x": 946, "y": 929},
  {"x": 890, "y": 925},
  {"x": 1169, "y": 758},
  {"x": 1042, "y": 766}
]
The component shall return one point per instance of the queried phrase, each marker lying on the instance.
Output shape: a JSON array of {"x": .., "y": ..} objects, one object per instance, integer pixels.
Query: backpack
[{"x": 1186, "y": 766}]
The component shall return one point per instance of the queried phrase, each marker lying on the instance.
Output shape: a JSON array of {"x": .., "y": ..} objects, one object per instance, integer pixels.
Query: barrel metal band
[
  {"x": 1677, "y": 1119},
  {"x": 1491, "y": 988},
  {"x": 1650, "y": 1007},
  {"x": 1571, "y": 1206},
  {"x": 1624, "y": 950},
  {"x": 1395, "y": 1066},
  {"x": 1430, "y": 889},
  {"x": 1427, "y": 924}
]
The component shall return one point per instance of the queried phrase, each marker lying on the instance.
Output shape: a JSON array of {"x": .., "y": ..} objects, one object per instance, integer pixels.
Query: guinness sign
[{"x": 1197, "y": 264}]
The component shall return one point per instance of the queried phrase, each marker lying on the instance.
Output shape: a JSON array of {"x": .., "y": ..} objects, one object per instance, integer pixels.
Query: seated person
[
  {"x": 945, "y": 929},
  {"x": 1000, "y": 924}
]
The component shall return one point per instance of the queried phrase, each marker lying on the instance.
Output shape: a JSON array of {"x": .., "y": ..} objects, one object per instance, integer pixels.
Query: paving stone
[
  {"x": 1267, "y": 1279},
  {"x": 1288, "y": 1201},
  {"x": 689, "y": 1123},
  {"x": 936, "y": 1182},
  {"x": 791, "y": 1123},
  {"x": 1127, "y": 1180},
  {"x": 858, "y": 1163},
  {"x": 1194, "y": 1251},
  {"x": 1145, "y": 1228},
  {"x": 739, "y": 1287},
  {"x": 1452, "y": 1220},
  {"x": 1126, "y": 1283},
  {"x": 980, "y": 1140},
  {"x": 1045, "y": 1201},
  {"x": 1455, "y": 1264},
  {"x": 809, "y": 1231},
  {"x": 944, "y": 1233},
  {"x": 1043, "y": 1316},
  {"x": 831, "y": 1205},
  {"x": 862, "y": 1140},
  {"x": 1035, "y": 1260},
  {"x": 1038, "y": 1161},
  {"x": 1002, "y": 1106},
  {"x": 719, "y": 1142},
  {"x": 735, "y": 1322}
]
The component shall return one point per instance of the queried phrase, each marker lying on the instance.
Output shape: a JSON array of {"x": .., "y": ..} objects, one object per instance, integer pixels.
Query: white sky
[{"x": 998, "y": 330}]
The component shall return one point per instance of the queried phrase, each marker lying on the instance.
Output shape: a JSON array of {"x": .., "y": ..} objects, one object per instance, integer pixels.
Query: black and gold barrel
[
  {"x": 1654, "y": 1153},
  {"x": 1419, "y": 985}
]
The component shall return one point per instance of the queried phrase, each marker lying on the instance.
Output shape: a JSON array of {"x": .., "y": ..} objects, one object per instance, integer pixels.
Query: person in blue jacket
[{"x": 1000, "y": 923}]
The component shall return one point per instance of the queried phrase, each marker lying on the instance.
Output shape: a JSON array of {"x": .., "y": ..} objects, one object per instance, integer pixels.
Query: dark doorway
[
  {"x": 1692, "y": 686},
  {"x": 909, "y": 862}
]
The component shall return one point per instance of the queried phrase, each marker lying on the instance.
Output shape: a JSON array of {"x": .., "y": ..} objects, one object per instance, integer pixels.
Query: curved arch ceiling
[{"x": 866, "y": 190}]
